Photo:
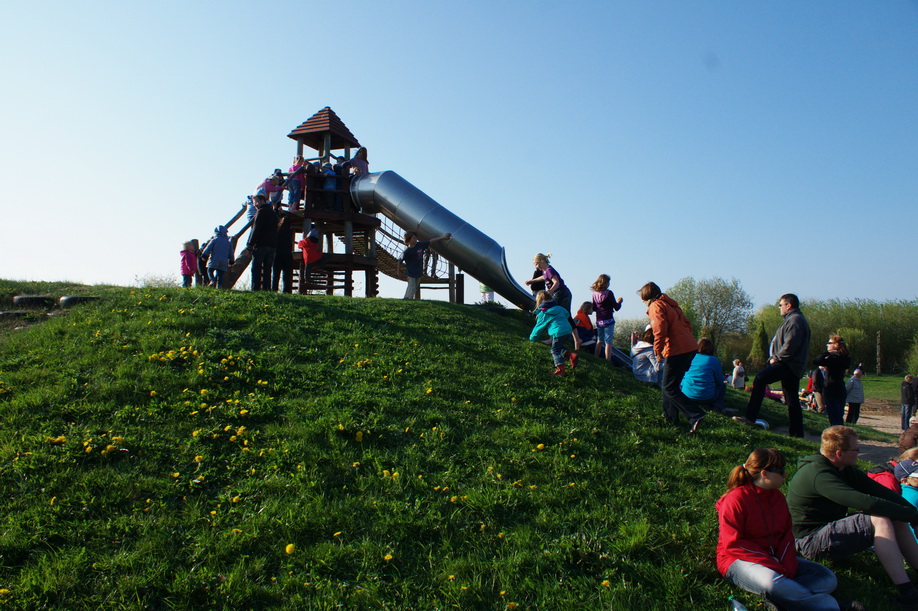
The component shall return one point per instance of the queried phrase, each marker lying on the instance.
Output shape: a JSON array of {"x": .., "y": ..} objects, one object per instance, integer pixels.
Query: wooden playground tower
[{"x": 370, "y": 245}]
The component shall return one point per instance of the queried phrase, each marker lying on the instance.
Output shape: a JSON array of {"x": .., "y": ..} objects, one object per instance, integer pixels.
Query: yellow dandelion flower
[
  {"x": 606, "y": 583},
  {"x": 541, "y": 446},
  {"x": 501, "y": 535},
  {"x": 110, "y": 448},
  {"x": 198, "y": 458},
  {"x": 356, "y": 464},
  {"x": 152, "y": 393},
  {"x": 451, "y": 577},
  {"x": 195, "y": 433},
  {"x": 386, "y": 473},
  {"x": 53, "y": 498},
  {"x": 175, "y": 474},
  {"x": 289, "y": 549},
  {"x": 359, "y": 436},
  {"x": 243, "y": 412},
  {"x": 395, "y": 474},
  {"x": 4, "y": 591},
  {"x": 236, "y": 531},
  {"x": 387, "y": 557},
  {"x": 235, "y": 499},
  {"x": 429, "y": 390},
  {"x": 337, "y": 534}
]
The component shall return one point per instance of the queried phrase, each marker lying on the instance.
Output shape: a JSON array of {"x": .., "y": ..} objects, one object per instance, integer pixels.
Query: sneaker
[
  {"x": 573, "y": 356},
  {"x": 695, "y": 426},
  {"x": 559, "y": 371}
]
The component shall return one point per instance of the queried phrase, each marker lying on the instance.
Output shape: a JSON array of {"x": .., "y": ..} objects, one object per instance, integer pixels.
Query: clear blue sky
[{"x": 772, "y": 142}]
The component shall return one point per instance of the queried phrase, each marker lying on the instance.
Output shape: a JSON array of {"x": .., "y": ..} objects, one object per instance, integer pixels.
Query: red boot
[
  {"x": 559, "y": 371},
  {"x": 573, "y": 357}
]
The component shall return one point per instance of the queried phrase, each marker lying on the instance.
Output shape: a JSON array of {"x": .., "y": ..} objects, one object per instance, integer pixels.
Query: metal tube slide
[{"x": 389, "y": 194}]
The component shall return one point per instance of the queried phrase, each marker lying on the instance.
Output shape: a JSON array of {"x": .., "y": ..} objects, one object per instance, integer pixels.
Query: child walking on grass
[
  {"x": 553, "y": 319},
  {"x": 189, "y": 264}
]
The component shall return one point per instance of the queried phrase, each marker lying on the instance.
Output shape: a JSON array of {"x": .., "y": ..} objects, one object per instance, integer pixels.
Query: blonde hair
[
  {"x": 736, "y": 362},
  {"x": 836, "y": 438},
  {"x": 542, "y": 297},
  {"x": 910, "y": 454},
  {"x": 187, "y": 244},
  {"x": 541, "y": 257},
  {"x": 601, "y": 284}
]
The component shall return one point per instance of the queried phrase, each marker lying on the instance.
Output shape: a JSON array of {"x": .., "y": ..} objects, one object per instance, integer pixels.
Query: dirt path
[{"x": 880, "y": 415}]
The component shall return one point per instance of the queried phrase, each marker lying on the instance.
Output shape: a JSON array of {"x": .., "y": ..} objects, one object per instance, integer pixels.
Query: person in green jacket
[
  {"x": 819, "y": 496},
  {"x": 554, "y": 319}
]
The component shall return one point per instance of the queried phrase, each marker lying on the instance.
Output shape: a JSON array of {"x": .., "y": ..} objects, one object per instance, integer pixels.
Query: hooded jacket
[
  {"x": 219, "y": 251},
  {"x": 821, "y": 493},
  {"x": 755, "y": 526},
  {"x": 552, "y": 318},
  {"x": 644, "y": 364},
  {"x": 672, "y": 332}
]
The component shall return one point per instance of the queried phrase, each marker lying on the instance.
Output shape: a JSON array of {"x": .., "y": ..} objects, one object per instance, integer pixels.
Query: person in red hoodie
[
  {"x": 674, "y": 341},
  {"x": 755, "y": 547},
  {"x": 311, "y": 247}
]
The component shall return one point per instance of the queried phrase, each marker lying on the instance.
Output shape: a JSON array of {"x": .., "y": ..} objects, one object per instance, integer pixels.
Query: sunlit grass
[{"x": 179, "y": 449}]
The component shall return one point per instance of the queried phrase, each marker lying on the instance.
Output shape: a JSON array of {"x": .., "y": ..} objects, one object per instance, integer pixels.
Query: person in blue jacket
[
  {"x": 553, "y": 319},
  {"x": 704, "y": 381}
]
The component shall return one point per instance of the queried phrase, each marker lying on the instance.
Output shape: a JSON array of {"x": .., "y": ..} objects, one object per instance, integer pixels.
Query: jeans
[
  {"x": 557, "y": 350},
  {"x": 835, "y": 408},
  {"x": 262, "y": 266},
  {"x": 216, "y": 277},
  {"x": 294, "y": 194},
  {"x": 810, "y": 591},
  {"x": 674, "y": 400},
  {"x": 907, "y": 412},
  {"x": 412, "y": 290},
  {"x": 778, "y": 372},
  {"x": 854, "y": 412},
  {"x": 283, "y": 271},
  {"x": 186, "y": 281},
  {"x": 716, "y": 401}
]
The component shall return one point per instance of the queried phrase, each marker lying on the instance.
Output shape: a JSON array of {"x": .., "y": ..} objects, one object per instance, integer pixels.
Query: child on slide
[{"x": 553, "y": 318}]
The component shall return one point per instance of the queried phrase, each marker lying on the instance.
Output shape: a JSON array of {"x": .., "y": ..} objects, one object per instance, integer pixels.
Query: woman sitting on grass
[{"x": 755, "y": 549}]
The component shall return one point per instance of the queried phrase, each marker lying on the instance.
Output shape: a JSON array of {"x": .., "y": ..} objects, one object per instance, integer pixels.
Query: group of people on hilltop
[
  {"x": 271, "y": 237},
  {"x": 294, "y": 182}
]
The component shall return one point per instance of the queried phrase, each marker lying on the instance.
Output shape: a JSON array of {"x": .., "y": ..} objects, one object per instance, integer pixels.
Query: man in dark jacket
[
  {"x": 263, "y": 244},
  {"x": 825, "y": 486},
  {"x": 787, "y": 363}
]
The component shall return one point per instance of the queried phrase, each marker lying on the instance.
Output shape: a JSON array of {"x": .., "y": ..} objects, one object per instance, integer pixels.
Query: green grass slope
[{"x": 179, "y": 449}]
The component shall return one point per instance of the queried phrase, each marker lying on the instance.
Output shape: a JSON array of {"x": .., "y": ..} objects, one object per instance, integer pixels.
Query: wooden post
[{"x": 879, "y": 355}]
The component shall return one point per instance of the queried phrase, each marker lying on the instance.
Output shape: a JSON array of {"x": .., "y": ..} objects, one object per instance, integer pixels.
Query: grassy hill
[{"x": 178, "y": 449}]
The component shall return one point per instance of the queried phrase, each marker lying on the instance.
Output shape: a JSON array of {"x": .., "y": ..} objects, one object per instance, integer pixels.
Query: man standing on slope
[
  {"x": 787, "y": 363},
  {"x": 819, "y": 495}
]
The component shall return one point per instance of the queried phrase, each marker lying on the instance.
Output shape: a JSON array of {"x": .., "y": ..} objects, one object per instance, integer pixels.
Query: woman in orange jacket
[{"x": 672, "y": 340}]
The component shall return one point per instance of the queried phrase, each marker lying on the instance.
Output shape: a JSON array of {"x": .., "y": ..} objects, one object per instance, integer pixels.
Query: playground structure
[{"x": 347, "y": 218}]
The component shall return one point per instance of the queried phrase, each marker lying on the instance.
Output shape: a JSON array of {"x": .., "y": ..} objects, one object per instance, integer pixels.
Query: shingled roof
[{"x": 312, "y": 132}]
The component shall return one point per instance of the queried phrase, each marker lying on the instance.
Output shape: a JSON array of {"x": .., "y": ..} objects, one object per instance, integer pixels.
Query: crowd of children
[{"x": 308, "y": 186}]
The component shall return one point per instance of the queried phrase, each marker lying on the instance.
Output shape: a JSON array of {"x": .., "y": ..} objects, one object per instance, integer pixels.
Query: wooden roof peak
[{"x": 312, "y": 131}]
